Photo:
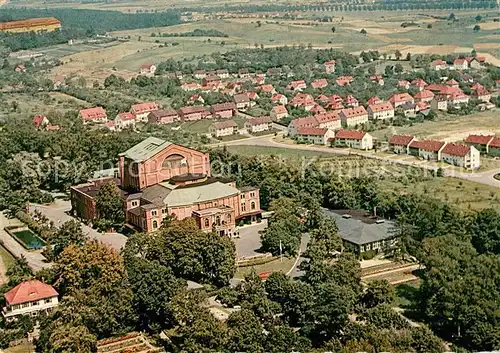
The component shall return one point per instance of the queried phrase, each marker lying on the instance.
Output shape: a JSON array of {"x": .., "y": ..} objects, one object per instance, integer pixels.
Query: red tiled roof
[
  {"x": 439, "y": 62},
  {"x": 343, "y": 80},
  {"x": 192, "y": 109},
  {"x": 280, "y": 109},
  {"x": 277, "y": 97},
  {"x": 352, "y": 112},
  {"x": 479, "y": 139},
  {"x": 452, "y": 82},
  {"x": 317, "y": 109},
  {"x": 351, "y": 99},
  {"x": 319, "y": 83},
  {"x": 481, "y": 92},
  {"x": 350, "y": 134},
  {"x": 495, "y": 142},
  {"x": 125, "y": 116},
  {"x": 223, "y": 107},
  {"x": 331, "y": 62},
  {"x": 144, "y": 107},
  {"x": 424, "y": 94},
  {"x": 29, "y": 291},
  {"x": 295, "y": 84},
  {"x": 374, "y": 100},
  {"x": 403, "y": 83},
  {"x": 427, "y": 145},
  {"x": 380, "y": 107},
  {"x": 260, "y": 120},
  {"x": 400, "y": 97},
  {"x": 146, "y": 66},
  {"x": 422, "y": 105},
  {"x": 459, "y": 61},
  {"x": 327, "y": 117},
  {"x": 401, "y": 140},
  {"x": 307, "y": 121},
  {"x": 225, "y": 124},
  {"x": 314, "y": 131},
  {"x": 93, "y": 113},
  {"x": 456, "y": 149},
  {"x": 267, "y": 88},
  {"x": 38, "y": 120},
  {"x": 302, "y": 99},
  {"x": 419, "y": 82},
  {"x": 241, "y": 98}
]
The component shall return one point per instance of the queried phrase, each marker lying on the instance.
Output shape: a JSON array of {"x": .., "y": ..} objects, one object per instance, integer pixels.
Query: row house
[
  {"x": 315, "y": 135},
  {"x": 480, "y": 142},
  {"x": 305, "y": 122},
  {"x": 191, "y": 113},
  {"x": 400, "y": 144},
  {"x": 93, "y": 115},
  {"x": 223, "y": 110},
  {"x": 269, "y": 89},
  {"x": 343, "y": 81},
  {"x": 398, "y": 99},
  {"x": 297, "y": 85},
  {"x": 460, "y": 64},
  {"x": 124, "y": 120},
  {"x": 354, "y": 139},
  {"x": 351, "y": 101},
  {"x": 222, "y": 73},
  {"x": 461, "y": 156},
  {"x": 438, "y": 65},
  {"x": 242, "y": 101},
  {"x": 354, "y": 116},
  {"x": 223, "y": 128},
  {"x": 424, "y": 96},
  {"x": 142, "y": 110},
  {"x": 330, "y": 120},
  {"x": 199, "y": 74},
  {"x": 319, "y": 83},
  {"x": 329, "y": 66},
  {"x": 279, "y": 112},
  {"x": 165, "y": 116},
  {"x": 263, "y": 123},
  {"x": 374, "y": 100},
  {"x": 243, "y": 73},
  {"x": 190, "y": 86},
  {"x": 279, "y": 98},
  {"x": 381, "y": 111},
  {"x": 210, "y": 79},
  {"x": 427, "y": 149},
  {"x": 303, "y": 100}
]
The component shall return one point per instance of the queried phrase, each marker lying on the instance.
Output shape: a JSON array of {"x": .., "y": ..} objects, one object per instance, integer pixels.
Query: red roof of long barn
[
  {"x": 479, "y": 139},
  {"x": 456, "y": 149},
  {"x": 401, "y": 140}
]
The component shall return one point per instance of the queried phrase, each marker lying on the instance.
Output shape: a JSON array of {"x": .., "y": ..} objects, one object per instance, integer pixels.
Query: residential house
[
  {"x": 93, "y": 115},
  {"x": 354, "y": 139},
  {"x": 20, "y": 68},
  {"x": 456, "y": 99},
  {"x": 279, "y": 98},
  {"x": 404, "y": 84},
  {"x": 297, "y": 85},
  {"x": 476, "y": 62},
  {"x": 223, "y": 128},
  {"x": 275, "y": 71},
  {"x": 351, "y": 101},
  {"x": 400, "y": 144},
  {"x": 243, "y": 73},
  {"x": 223, "y": 110},
  {"x": 322, "y": 99},
  {"x": 110, "y": 125},
  {"x": 40, "y": 121},
  {"x": 303, "y": 100},
  {"x": 315, "y": 135},
  {"x": 222, "y": 73},
  {"x": 31, "y": 298},
  {"x": 195, "y": 112},
  {"x": 263, "y": 123},
  {"x": 419, "y": 84},
  {"x": 330, "y": 120},
  {"x": 124, "y": 120},
  {"x": 427, "y": 149},
  {"x": 374, "y": 100},
  {"x": 279, "y": 112},
  {"x": 210, "y": 79},
  {"x": 439, "y": 102},
  {"x": 407, "y": 110},
  {"x": 438, "y": 65},
  {"x": 398, "y": 99},
  {"x": 382, "y": 111},
  {"x": 269, "y": 89},
  {"x": 480, "y": 142},
  {"x": 335, "y": 102},
  {"x": 354, "y": 116},
  {"x": 166, "y": 116},
  {"x": 317, "y": 109},
  {"x": 422, "y": 108},
  {"x": 494, "y": 147},
  {"x": 190, "y": 86},
  {"x": 343, "y": 81},
  {"x": 482, "y": 94},
  {"x": 319, "y": 83},
  {"x": 424, "y": 96},
  {"x": 298, "y": 123},
  {"x": 196, "y": 98},
  {"x": 466, "y": 77},
  {"x": 252, "y": 95},
  {"x": 377, "y": 79},
  {"x": 461, "y": 155},
  {"x": 461, "y": 64},
  {"x": 199, "y": 74},
  {"x": 453, "y": 83},
  {"x": 329, "y": 66},
  {"x": 361, "y": 233},
  {"x": 147, "y": 69},
  {"x": 142, "y": 110},
  {"x": 242, "y": 101}
]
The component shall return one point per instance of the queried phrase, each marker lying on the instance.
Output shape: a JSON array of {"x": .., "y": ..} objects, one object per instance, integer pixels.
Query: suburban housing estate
[{"x": 158, "y": 178}]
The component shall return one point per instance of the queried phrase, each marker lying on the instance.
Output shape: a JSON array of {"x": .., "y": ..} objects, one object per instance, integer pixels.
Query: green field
[
  {"x": 6, "y": 257},
  {"x": 273, "y": 266},
  {"x": 276, "y": 151}
]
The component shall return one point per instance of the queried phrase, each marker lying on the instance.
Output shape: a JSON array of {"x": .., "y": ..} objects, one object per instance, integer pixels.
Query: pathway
[{"x": 294, "y": 271}]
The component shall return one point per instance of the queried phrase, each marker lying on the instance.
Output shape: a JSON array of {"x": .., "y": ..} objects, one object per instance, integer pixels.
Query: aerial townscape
[{"x": 265, "y": 176}]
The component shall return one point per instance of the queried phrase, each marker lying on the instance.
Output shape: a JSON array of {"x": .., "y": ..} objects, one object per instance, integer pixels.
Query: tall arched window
[
  {"x": 252, "y": 205},
  {"x": 155, "y": 224},
  {"x": 207, "y": 223},
  {"x": 174, "y": 161},
  {"x": 217, "y": 220}
]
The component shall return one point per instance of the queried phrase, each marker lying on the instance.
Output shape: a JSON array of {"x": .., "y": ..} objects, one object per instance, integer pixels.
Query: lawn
[
  {"x": 406, "y": 294},
  {"x": 273, "y": 266},
  {"x": 22, "y": 348},
  {"x": 276, "y": 151},
  {"x": 7, "y": 258}
]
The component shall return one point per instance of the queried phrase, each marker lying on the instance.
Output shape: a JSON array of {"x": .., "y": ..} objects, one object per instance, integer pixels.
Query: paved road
[
  {"x": 249, "y": 241},
  {"x": 485, "y": 177},
  {"x": 57, "y": 214},
  {"x": 294, "y": 271}
]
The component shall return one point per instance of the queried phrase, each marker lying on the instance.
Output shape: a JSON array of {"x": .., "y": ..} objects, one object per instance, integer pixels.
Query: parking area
[{"x": 249, "y": 241}]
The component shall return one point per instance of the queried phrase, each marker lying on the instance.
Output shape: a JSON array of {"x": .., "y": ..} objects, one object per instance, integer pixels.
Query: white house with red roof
[
  {"x": 278, "y": 112},
  {"x": 303, "y": 100},
  {"x": 438, "y": 65},
  {"x": 419, "y": 84},
  {"x": 279, "y": 98},
  {"x": 354, "y": 116},
  {"x": 319, "y": 83},
  {"x": 124, "y": 120},
  {"x": 317, "y": 109},
  {"x": 351, "y": 101},
  {"x": 404, "y": 84},
  {"x": 190, "y": 86},
  {"x": 314, "y": 135},
  {"x": 147, "y": 69},
  {"x": 263, "y": 123},
  {"x": 298, "y": 85},
  {"x": 452, "y": 83},
  {"x": 223, "y": 128},
  {"x": 400, "y": 144},
  {"x": 343, "y": 81},
  {"x": 480, "y": 142},
  {"x": 354, "y": 139},
  {"x": 377, "y": 79},
  {"x": 463, "y": 156},
  {"x": 335, "y": 102},
  {"x": 482, "y": 94},
  {"x": 381, "y": 111},
  {"x": 398, "y": 99},
  {"x": 269, "y": 89},
  {"x": 296, "y": 124},
  {"x": 424, "y": 96},
  {"x": 427, "y": 149},
  {"x": 93, "y": 115},
  {"x": 374, "y": 100},
  {"x": 39, "y": 121},
  {"x": 142, "y": 110},
  {"x": 329, "y": 66},
  {"x": 461, "y": 64},
  {"x": 29, "y": 298},
  {"x": 330, "y": 120}
]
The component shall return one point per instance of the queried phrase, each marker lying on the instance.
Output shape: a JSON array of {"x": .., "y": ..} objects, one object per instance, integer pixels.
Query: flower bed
[{"x": 117, "y": 339}]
